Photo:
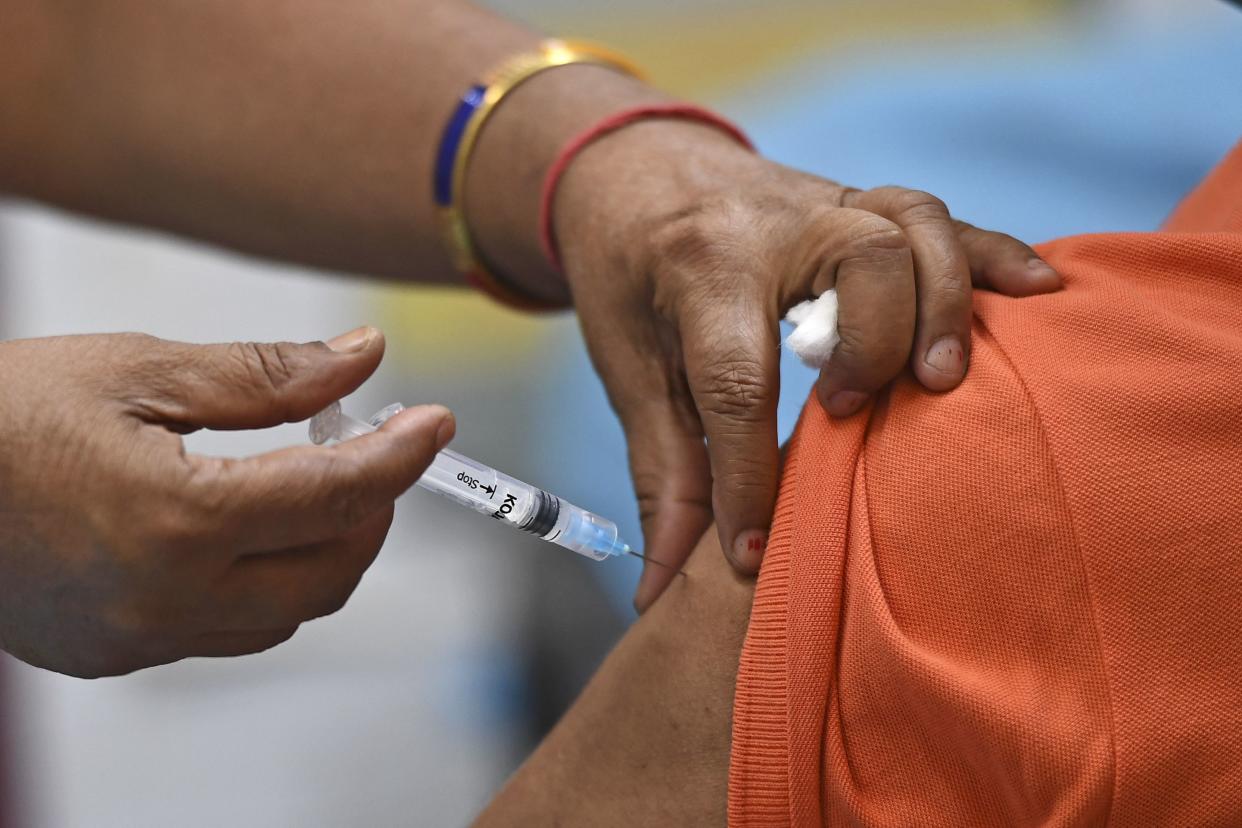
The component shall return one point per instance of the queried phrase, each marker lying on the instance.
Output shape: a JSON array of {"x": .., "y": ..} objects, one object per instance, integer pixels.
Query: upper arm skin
[{"x": 647, "y": 743}]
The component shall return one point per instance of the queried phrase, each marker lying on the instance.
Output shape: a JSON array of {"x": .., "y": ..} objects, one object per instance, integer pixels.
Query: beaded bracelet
[{"x": 458, "y": 141}]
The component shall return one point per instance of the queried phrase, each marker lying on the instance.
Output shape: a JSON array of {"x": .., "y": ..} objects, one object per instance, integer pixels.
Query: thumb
[{"x": 259, "y": 384}]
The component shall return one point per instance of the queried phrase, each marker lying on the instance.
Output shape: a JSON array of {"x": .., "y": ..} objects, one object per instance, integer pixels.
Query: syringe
[{"x": 492, "y": 493}]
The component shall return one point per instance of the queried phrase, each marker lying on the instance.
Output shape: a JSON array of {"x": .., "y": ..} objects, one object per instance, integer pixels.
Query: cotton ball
[{"x": 814, "y": 336}]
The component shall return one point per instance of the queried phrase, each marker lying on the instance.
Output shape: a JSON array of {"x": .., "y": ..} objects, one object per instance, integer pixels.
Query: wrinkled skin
[
  {"x": 118, "y": 550},
  {"x": 683, "y": 251}
]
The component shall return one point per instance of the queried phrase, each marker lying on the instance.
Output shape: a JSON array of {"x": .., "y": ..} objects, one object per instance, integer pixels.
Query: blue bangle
[
  {"x": 459, "y": 139},
  {"x": 451, "y": 140}
]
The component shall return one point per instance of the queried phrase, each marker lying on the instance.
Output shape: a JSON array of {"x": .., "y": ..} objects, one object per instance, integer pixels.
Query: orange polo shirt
[{"x": 1020, "y": 602}]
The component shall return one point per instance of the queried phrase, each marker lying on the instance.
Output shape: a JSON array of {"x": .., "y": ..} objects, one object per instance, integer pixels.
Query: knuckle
[
  {"x": 698, "y": 251},
  {"x": 336, "y": 601},
  {"x": 918, "y": 207},
  {"x": 107, "y": 658},
  {"x": 692, "y": 235},
  {"x": 275, "y": 640},
  {"x": 331, "y": 601},
  {"x": 876, "y": 234},
  {"x": 734, "y": 386},
  {"x": 264, "y": 364},
  {"x": 973, "y": 236}
]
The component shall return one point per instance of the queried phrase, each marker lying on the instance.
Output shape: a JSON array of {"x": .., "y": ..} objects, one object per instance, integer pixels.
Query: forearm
[
  {"x": 298, "y": 129},
  {"x": 648, "y": 741}
]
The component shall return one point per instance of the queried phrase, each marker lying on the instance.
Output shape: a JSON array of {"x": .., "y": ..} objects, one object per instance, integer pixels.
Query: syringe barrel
[
  {"x": 491, "y": 492},
  {"x": 521, "y": 505}
]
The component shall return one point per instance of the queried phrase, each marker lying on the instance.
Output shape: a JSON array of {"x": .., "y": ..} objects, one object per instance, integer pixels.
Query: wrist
[{"x": 516, "y": 149}]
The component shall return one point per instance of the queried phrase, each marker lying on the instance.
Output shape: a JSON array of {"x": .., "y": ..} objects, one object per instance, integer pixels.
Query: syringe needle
[{"x": 680, "y": 572}]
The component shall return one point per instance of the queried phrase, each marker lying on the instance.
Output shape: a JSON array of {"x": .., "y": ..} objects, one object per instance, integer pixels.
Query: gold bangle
[{"x": 500, "y": 82}]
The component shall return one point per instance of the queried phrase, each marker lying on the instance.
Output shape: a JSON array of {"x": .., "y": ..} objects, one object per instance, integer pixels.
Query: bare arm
[
  {"x": 298, "y": 129},
  {"x": 648, "y": 741},
  {"x": 305, "y": 130}
]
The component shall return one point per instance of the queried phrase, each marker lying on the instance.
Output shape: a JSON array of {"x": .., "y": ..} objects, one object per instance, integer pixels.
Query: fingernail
[
  {"x": 845, "y": 403},
  {"x": 748, "y": 549},
  {"x": 352, "y": 342},
  {"x": 1041, "y": 269},
  {"x": 946, "y": 356},
  {"x": 448, "y": 427}
]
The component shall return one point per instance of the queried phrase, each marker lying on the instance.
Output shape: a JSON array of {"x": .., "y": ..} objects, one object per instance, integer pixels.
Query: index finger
[
  {"x": 732, "y": 356},
  {"x": 302, "y": 495}
]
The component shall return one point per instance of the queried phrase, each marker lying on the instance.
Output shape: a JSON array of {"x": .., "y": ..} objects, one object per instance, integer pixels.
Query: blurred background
[{"x": 465, "y": 642}]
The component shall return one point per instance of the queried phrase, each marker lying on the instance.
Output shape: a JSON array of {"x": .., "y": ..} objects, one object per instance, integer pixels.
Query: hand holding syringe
[{"x": 493, "y": 493}]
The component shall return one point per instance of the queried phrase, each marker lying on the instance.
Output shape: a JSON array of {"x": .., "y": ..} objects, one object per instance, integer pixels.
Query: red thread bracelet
[{"x": 575, "y": 145}]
